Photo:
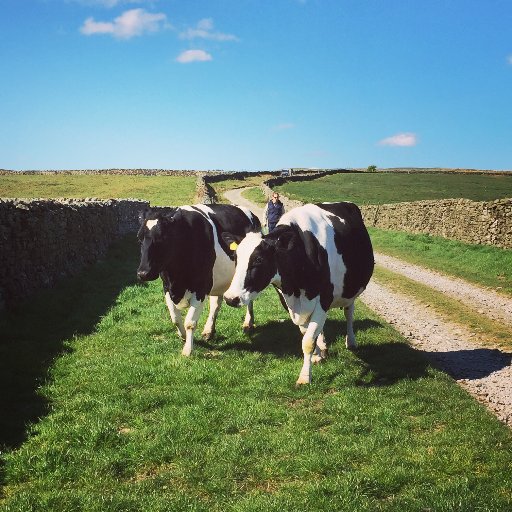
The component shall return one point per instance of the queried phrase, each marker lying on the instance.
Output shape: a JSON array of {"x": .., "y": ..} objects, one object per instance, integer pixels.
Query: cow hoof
[
  {"x": 301, "y": 381},
  {"x": 186, "y": 352},
  {"x": 317, "y": 359},
  {"x": 350, "y": 343},
  {"x": 207, "y": 336},
  {"x": 248, "y": 328}
]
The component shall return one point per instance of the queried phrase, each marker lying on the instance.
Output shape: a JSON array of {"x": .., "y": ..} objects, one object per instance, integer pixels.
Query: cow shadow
[
  {"x": 282, "y": 338},
  {"x": 386, "y": 363},
  {"x": 469, "y": 364},
  {"x": 35, "y": 332}
]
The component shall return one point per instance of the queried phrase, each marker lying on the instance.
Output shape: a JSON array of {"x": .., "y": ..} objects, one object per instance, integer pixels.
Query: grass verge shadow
[{"x": 36, "y": 332}]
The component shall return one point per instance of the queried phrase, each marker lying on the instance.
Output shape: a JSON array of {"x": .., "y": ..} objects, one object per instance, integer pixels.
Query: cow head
[
  {"x": 256, "y": 263},
  {"x": 158, "y": 238}
]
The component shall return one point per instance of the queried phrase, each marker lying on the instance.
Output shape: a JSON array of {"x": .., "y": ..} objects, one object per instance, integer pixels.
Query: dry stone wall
[
  {"x": 474, "y": 222},
  {"x": 42, "y": 241}
]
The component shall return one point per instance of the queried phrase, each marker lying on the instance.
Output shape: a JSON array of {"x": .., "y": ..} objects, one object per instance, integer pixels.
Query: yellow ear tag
[{"x": 233, "y": 246}]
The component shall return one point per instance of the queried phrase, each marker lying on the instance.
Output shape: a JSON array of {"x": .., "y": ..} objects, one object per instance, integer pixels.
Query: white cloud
[
  {"x": 204, "y": 30},
  {"x": 509, "y": 59},
  {"x": 193, "y": 56},
  {"x": 400, "y": 139},
  {"x": 134, "y": 22}
]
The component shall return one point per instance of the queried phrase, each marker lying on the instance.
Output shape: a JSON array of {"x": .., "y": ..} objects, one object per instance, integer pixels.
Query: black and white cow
[
  {"x": 319, "y": 256},
  {"x": 184, "y": 247}
]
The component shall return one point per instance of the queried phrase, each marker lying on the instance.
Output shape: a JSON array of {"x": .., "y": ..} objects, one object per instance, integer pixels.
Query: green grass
[
  {"x": 122, "y": 422},
  {"x": 255, "y": 195},
  {"x": 480, "y": 264},
  {"x": 383, "y": 188},
  {"x": 159, "y": 190}
]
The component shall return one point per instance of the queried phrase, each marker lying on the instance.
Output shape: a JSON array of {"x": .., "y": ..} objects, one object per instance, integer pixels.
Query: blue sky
[{"x": 255, "y": 84}]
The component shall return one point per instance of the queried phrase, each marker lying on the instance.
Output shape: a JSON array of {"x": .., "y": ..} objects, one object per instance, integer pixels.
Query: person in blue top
[{"x": 273, "y": 212}]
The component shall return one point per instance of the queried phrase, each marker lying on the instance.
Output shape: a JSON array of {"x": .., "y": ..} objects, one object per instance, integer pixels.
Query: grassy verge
[
  {"x": 255, "y": 195},
  {"x": 129, "y": 424},
  {"x": 159, "y": 190},
  {"x": 383, "y": 188},
  {"x": 479, "y": 264},
  {"x": 488, "y": 332}
]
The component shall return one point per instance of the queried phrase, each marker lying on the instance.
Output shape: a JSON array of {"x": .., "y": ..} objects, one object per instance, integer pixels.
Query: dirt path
[
  {"x": 235, "y": 196},
  {"x": 487, "y": 302},
  {"x": 485, "y": 373}
]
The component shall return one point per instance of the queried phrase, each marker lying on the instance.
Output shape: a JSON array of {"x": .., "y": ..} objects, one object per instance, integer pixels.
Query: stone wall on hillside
[
  {"x": 474, "y": 222},
  {"x": 115, "y": 172},
  {"x": 307, "y": 176},
  {"x": 43, "y": 240}
]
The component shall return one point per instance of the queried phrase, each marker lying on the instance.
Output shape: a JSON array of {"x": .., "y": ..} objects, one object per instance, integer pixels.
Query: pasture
[
  {"x": 159, "y": 190},
  {"x": 100, "y": 412},
  {"x": 384, "y": 188},
  {"x": 120, "y": 421}
]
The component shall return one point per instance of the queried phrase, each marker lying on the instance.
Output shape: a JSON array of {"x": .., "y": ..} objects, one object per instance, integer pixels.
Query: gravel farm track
[{"x": 484, "y": 371}]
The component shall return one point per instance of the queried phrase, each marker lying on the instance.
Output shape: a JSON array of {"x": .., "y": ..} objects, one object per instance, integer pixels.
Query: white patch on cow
[
  {"x": 150, "y": 224},
  {"x": 244, "y": 251},
  {"x": 319, "y": 222},
  {"x": 204, "y": 210},
  {"x": 300, "y": 308},
  {"x": 247, "y": 212},
  {"x": 175, "y": 315}
]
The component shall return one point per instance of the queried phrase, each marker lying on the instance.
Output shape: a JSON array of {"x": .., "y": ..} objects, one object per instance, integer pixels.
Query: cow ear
[
  {"x": 168, "y": 218},
  {"x": 231, "y": 240},
  {"x": 142, "y": 215}
]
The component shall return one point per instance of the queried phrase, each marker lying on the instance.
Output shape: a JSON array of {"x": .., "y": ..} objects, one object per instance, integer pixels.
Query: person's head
[{"x": 275, "y": 197}]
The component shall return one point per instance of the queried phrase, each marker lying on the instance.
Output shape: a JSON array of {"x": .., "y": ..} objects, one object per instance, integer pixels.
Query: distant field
[
  {"x": 383, "y": 188},
  {"x": 159, "y": 190},
  {"x": 256, "y": 196}
]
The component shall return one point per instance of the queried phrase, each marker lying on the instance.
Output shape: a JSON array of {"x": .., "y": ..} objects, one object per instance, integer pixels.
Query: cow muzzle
[{"x": 145, "y": 275}]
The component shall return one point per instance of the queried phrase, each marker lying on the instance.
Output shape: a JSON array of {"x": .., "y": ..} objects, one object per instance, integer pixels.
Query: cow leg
[
  {"x": 193, "y": 314},
  {"x": 249, "y": 318},
  {"x": 175, "y": 315},
  {"x": 320, "y": 350},
  {"x": 314, "y": 328},
  {"x": 350, "y": 340},
  {"x": 209, "y": 326}
]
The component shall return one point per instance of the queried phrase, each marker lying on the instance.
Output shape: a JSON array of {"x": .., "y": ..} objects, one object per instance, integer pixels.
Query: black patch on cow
[
  {"x": 181, "y": 247},
  {"x": 303, "y": 263},
  {"x": 232, "y": 219},
  {"x": 353, "y": 243},
  {"x": 300, "y": 260},
  {"x": 261, "y": 268}
]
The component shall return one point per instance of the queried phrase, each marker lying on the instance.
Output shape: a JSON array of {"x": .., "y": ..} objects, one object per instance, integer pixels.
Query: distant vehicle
[{"x": 285, "y": 173}]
